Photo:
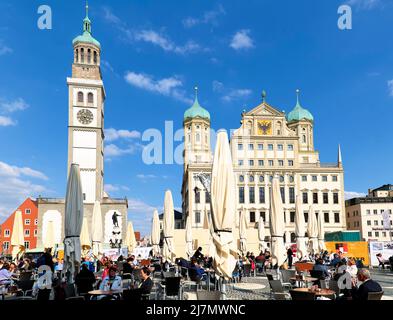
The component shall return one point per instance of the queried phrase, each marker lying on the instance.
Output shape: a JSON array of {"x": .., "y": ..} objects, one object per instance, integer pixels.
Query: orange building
[{"x": 29, "y": 211}]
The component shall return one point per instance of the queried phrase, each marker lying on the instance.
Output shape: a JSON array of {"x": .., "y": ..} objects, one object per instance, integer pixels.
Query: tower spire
[
  {"x": 263, "y": 96},
  {"x": 339, "y": 158},
  {"x": 297, "y": 97},
  {"x": 86, "y": 20},
  {"x": 87, "y": 9}
]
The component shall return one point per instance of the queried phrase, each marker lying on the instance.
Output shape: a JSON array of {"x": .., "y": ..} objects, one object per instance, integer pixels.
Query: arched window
[
  {"x": 95, "y": 57},
  {"x": 304, "y": 138},
  {"x": 76, "y": 55},
  {"x": 261, "y": 179},
  {"x": 82, "y": 55},
  {"x": 281, "y": 178},
  {"x": 198, "y": 137},
  {"x": 88, "y": 56},
  {"x": 90, "y": 98},
  {"x": 251, "y": 178},
  {"x": 293, "y": 237},
  {"x": 80, "y": 96},
  {"x": 241, "y": 178}
]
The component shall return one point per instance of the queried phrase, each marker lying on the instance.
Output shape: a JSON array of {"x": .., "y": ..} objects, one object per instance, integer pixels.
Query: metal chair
[
  {"x": 298, "y": 295},
  {"x": 172, "y": 287},
  {"x": 25, "y": 286},
  {"x": 277, "y": 288},
  {"x": 286, "y": 276},
  {"x": 375, "y": 295},
  {"x": 333, "y": 285}
]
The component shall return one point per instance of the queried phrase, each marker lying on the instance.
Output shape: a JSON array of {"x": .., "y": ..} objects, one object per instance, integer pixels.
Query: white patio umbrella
[
  {"x": 208, "y": 224},
  {"x": 300, "y": 230},
  {"x": 155, "y": 233},
  {"x": 312, "y": 230},
  {"x": 17, "y": 237},
  {"x": 321, "y": 233},
  {"x": 261, "y": 234},
  {"x": 130, "y": 238},
  {"x": 168, "y": 253},
  {"x": 223, "y": 204},
  {"x": 277, "y": 224},
  {"x": 243, "y": 232},
  {"x": 96, "y": 230},
  {"x": 85, "y": 236},
  {"x": 73, "y": 223},
  {"x": 189, "y": 248},
  {"x": 49, "y": 239}
]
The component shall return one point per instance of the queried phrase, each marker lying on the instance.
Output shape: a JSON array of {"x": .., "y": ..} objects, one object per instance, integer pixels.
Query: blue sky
[{"x": 154, "y": 52}]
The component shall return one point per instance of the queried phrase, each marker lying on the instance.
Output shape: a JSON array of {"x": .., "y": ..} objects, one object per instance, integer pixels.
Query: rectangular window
[
  {"x": 27, "y": 244},
  {"x": 306, "y": 217},
  {"x": 290, "y": 163},
  {"x": 291, "y": 195},
  {"x": 368, "y": 211},
  {"x": 334, "y": 178},
  {"x": 280, "y": 147},
  {"x": 370, "y": 234},
  {"x": 251, "y": 163},
  {"x": 197, "y": 196},
  {"x": 207, "y": 197},
  {"x": 384, "y": 234},
  {"x": 337, "y": 217},
  {"x": 27, "y": 211},
  {"x": 252, "y": 216},
  {"x": 240, "y": 162},
  {"x": 250, "y": 146},
  {"x": 270, "y": 147},
  {"x": 263, "y": 215},
  {"x": 304, "y": 178},
  {"x": 375, "y": 211},
  {"x": 260, "y": 163},
  {"x": 271, "y": 163},
  {"x": 368, "y": 222},
  {"x": 292, "y": 216},
  {"x": 324, "y": 178},
  {"x": 35, "y": 232},
  {"x": 27, "y": 233},
  {"x": 241, "y": 194},
  {"x": 335, "y": 198},
  {"x": 325, "y": 197},
  {"x": 240, "y": 146},
  {"x": 197, "y": 217},
  {"x": 7, "y": 233},
  {"x": 326, "y": 217},
  {"x": 315, "y": 197},
  {"x": 280, "y": 163},
  {"x": 260, "y": 146},
  {"x": 36, "y": 222},
  {"x": 6, "y": 245},
  {"x": 27, "y": 222},
  {"x": 314, "y": 178},
  {"x": 290, "y": 147},
  {"x": 252, "y": 194},
  {"x": 305, "y": 197},
  {"x": 282, "y": 191},
  {"x": 375, "y": 222},
  {"x": 376, "y": 233},
  {"x": 261, "y": 194}
]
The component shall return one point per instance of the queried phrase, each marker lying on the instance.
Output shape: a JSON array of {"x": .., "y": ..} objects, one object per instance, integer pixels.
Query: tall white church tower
[{"x": 86, "y": 114}]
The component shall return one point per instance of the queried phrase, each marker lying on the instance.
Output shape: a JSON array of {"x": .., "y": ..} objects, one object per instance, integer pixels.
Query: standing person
[
  {"x": 290, "y": 257},
  {"x": 381, "y": 261}
]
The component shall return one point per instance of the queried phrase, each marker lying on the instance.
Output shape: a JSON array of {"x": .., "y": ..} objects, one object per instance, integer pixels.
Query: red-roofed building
[{"x": 29, "y": 211}]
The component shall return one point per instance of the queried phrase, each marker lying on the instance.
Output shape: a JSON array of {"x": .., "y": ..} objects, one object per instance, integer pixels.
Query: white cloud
[
  {"x": 112, "y": 150},
  {"x": 230, "y": 94},
  {"x": 6, "y": 121},
  {"x": 353, "y": 194},
  {"x": 146, "y": 176},
  {"x": 110, "y": 17},
  {"x": 14, "y": 188},
  {"x": 217, "y": 86},
  {"x": 4, "y": 49},
  {"x": 7, "y": 170},
  {"x": 241, "y": 40},
  {"x": 109, "y": 188},
  {"x": 171, "y": 86},
  {"x": 364, "y": 4},
  {"x": 106, "y": 65},
  {"x": 390, "y": 87},
  {"x": 209, "y": 17},
  {"x": 12, "y": 106},
  {"x": 113, "y": 134}
]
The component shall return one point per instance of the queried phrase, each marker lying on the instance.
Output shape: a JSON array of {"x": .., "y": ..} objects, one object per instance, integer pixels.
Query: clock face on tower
[{"x": 85, "y": 116}]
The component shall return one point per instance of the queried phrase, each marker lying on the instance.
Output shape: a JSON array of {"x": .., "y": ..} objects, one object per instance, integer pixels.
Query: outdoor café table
[
  {"x": 105, "y": 292},
  {"x": 318, "y": 292},
  {"x": 306, "y": 279}
]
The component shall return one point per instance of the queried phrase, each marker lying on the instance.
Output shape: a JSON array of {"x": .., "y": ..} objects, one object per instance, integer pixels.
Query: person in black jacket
[
  {"x": 368, "y": 285},
  {"x": 128, "y": 266},
  {"x": 147, "y": 283},
  {"x": 85, "y": 279}
]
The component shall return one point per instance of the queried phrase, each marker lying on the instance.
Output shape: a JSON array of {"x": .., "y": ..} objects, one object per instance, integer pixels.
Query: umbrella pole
[{"x": 223, "y": 289}]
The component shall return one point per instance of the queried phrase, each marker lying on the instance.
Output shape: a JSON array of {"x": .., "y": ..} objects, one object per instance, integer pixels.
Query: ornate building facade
[
  {"x": 268, "y": 142},
  {"x": 86, "y": 143}
]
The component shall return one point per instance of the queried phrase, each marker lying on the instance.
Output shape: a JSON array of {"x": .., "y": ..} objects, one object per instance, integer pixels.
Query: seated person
[
  {"x": 200, "y": 272},
  {"x": 335, "y": 260},
  {"x": 5, "y": 274},
  {"x": 198, "y": 254},
  {"x": 111, "y": 282},
  {"x": 368, "y": 285},
  {"x": 319, "y": 266},
  {"x": 144, "y": 287},
  {"x": 85, "y": 279},
  {"x": 128, "y": 266},
  {"x": 352, "y": 268}
]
